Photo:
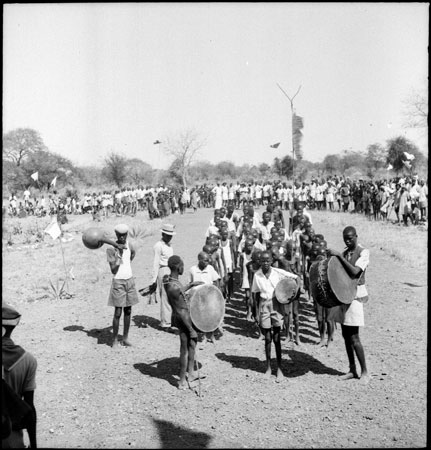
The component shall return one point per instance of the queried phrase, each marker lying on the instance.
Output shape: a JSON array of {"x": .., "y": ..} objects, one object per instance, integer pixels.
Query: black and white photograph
[{"x": 215, "y": 225}]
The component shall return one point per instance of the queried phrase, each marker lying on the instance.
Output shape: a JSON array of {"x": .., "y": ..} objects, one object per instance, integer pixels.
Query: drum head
[
  {"x": 319, "y": 285},
  {"x": 342, "y": 285},
  {"x": 207, "y": 306},
  {"x": 286, "y": 290}
]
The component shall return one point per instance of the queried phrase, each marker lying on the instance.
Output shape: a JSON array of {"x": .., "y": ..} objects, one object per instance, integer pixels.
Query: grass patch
[{"x": 408, "y": 245}]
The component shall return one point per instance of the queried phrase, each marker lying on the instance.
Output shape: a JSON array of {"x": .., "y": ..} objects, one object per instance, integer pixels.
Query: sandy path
[{"x": 90, "y": 396}]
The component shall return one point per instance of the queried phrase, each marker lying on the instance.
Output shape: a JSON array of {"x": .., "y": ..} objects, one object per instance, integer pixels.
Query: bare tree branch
[
  {"x": 416, "y": 110},
  {"x": 184, "y": 148}
]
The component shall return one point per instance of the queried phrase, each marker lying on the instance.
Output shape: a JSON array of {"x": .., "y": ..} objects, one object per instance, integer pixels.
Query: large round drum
[
  {"x": 92, "y": 238},
  {"x": 286, "y": 290},
  {"x": 330, "y": 284},
  {"x": 207, "y": 306}
]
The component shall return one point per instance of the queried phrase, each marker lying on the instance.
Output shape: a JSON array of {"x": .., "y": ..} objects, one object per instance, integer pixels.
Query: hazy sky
[{"x": 95, "y": 78}]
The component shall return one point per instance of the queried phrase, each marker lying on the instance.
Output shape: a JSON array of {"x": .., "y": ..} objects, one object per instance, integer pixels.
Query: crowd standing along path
[{"x": 89, "y": 396}]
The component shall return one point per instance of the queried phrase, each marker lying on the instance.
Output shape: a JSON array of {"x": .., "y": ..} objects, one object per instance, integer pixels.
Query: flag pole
[
  {"x": 293, "y": 145},
  {"x": 64, "y": 265}
]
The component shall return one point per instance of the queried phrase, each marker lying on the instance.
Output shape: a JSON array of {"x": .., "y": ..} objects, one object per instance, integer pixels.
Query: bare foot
[
  {"x": 115, "y": 344},
  {"x": 365, "y": 378},
  {"x": 322, "y": 343},
  {"x": 298, "y": 341},
  {"x": 280, "y": 376},
  {"x": 182, "y": 386},
  {"x": 349, "y": 376},
  {"x": 268, "y": 372},
  {"x": 126, "y": 343}
]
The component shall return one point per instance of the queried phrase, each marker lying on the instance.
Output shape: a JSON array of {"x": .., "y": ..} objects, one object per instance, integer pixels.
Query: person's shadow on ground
[
  {"x": 173, "y": 436},
  {"x": 103, "y": 335},
  {"x": 300, "y": 364},
  {"x": 243, "y": 362},
  {"x": 164, "y": 369},
  {"x": 236, "y": 323},
  {"x": 143, "y": 321}
]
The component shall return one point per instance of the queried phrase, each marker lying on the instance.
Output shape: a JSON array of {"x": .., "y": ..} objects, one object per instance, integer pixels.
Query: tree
[
  {"x": 183, "y": 148},
  {"x": 301, "y": 169},
  {"x": 350, "y": 159},
  {"x": 201, "y": 170},
  {"x": 90, "y": 176},
  {"x": 416, "y": 110},
  {"x": 396, "y": 157},
  {"x": 226, "y": 169},
  {"x": 331, "y": 163},
  {"x": 375, "y": 158},
  {"x": 264, "y": 169},
  {"x": 175, "y": 171},
  {"x": 20, "y": 143},
  {"x": 115, "y": 169},
  {"x": 48, "y": 165},
  {"x": 139, "y": 171},
  {"x": 286, "y": 166},
  {"x": 14, "y": 177},
  {"x": 276, "y": 166}
]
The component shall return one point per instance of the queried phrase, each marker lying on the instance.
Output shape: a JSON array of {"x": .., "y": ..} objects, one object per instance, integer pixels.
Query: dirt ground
[{"x": 89, "y": 396}]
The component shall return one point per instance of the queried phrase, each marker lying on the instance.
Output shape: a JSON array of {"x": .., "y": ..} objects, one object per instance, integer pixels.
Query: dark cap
[{"x": 10, "y": 316}]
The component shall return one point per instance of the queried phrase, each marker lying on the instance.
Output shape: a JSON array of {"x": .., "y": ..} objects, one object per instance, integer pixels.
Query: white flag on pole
[
  {"x": 407, "y": 164},
  {"x": 35, "y": 176},
  {"x": 409, "y": 156},
  {"x": 390, "y": 167},
  {"x": 54, "y": 181},
  {"x": 53, "y": 229}
]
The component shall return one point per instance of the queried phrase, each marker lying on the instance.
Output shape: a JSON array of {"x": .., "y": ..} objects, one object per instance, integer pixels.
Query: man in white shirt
[
  {"x": 258, "y": 192},
  {"x": 123, "y": 293},
  {"x": 204, "y": 271},
  {"x": 265, "y": 227},
  {"x": 162, "y": 252},
  {"x": 271, "y": 312},
  {"x": 26, "y": 197}
]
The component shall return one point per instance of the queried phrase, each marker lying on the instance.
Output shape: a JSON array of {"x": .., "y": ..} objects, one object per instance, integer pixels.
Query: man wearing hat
[
  {"x": 162, "y": 252},
  {"x": 19, "y": 372},
  {"x": 123, "y": 293}
]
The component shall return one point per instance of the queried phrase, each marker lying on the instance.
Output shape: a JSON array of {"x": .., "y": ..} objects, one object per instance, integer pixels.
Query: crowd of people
[
  {"x": 263, "y": 249},
  {"x": 406, "y": 197}
]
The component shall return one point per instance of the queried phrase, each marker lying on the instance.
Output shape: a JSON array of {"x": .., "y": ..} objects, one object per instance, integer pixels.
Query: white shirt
[
  {"x": 362, "y": 262},
  {"x": 125, "y": 269},
  {"x": 212, "y": 229},
  {"x": 266, "y": 285},
  {"x": 207, "y": 275},
  {"x": 162, "y": 252},
  {"x": 266, "y": 230}
]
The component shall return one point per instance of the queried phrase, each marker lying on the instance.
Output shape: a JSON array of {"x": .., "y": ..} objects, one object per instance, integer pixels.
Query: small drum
[
  {"x": 286, "y": 290},
  {"x": 330, "y": 284},
  {"x": 92, "y": 238},
  {"x": 207, "y": 306}
]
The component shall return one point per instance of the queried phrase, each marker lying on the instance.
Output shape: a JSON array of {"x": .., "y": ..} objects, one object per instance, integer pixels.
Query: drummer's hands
[{"x": 333, "y": 252}]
